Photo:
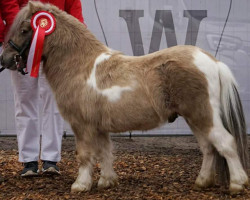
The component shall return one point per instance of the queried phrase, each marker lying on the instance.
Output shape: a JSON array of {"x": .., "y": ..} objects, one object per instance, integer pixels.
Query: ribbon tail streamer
[{"x": 35, "y": 53}]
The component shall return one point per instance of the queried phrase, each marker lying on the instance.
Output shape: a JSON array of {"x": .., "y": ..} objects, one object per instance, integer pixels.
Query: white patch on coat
[
  {"x": 215, "y": 72},
  {"x": 211, "y": 71},
  {"x": 92, "y": 79},
  {"x": 113, "y": 93}
]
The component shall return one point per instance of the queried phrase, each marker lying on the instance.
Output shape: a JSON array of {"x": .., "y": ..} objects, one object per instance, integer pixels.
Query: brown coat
[{"x": 99, "y": 90}]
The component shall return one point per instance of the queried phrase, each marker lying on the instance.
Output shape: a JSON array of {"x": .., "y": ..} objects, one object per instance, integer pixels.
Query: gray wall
[{"x": 138, "y": 27}]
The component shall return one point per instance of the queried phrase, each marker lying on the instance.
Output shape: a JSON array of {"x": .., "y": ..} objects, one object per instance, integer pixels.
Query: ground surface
[{"x": 148, "y": 168}]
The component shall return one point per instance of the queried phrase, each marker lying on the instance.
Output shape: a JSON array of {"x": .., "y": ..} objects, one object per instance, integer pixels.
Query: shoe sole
[
  {"x": 51, "y": 171},
  {"x": 29, "y": 174}
]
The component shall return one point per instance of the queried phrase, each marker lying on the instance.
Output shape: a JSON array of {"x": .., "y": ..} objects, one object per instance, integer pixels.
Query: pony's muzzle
[
  {"x": 20, "y": 65},
  {"x": 17, "y": 58}
]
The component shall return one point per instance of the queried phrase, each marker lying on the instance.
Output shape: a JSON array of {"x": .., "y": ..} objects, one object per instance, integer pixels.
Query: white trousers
[{"x": 29, "y": 94}]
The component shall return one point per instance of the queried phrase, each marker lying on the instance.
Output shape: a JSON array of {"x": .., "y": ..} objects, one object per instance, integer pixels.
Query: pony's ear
[{"x": 33, "y": 7}]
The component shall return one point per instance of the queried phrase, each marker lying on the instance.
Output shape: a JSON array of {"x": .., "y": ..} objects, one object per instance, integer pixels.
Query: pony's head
[{"x": 18, "y": 40}]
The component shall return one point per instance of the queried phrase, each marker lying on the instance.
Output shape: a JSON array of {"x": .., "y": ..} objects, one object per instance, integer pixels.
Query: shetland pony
[{"x": 99, "y": 90}]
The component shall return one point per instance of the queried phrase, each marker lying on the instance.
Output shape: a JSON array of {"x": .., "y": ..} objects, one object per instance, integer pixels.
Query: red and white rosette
[{"x": 43, "y": 23}]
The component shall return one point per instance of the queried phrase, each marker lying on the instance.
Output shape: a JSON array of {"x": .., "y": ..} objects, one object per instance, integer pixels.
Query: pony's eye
[{"x": 23, "y": 31}]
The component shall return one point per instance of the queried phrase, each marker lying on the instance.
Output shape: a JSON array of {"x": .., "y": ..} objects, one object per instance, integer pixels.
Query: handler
[
  {"x": 8, "y": 11},
  {"x": 29, "y": 92}
]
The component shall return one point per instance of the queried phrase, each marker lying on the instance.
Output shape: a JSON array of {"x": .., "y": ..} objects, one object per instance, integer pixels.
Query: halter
[{"x": 18, "y": 58}]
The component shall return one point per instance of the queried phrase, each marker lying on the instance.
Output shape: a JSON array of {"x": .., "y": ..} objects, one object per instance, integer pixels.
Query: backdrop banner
[{"x": 138, "y": 27}]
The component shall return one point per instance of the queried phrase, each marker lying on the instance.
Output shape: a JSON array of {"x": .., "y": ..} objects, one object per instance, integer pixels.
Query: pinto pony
[{"x": 99, "y": 90}]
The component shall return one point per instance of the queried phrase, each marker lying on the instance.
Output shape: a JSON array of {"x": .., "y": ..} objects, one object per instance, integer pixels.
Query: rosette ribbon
[{"x": 43, "y": 23}]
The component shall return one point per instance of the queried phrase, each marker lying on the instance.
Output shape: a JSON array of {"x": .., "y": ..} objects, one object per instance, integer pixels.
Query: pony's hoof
[
  {"x": 246, "y": 183},
  {"x": 236, "y": 188},
  {"x": 199, "y": 187},
  {"x": 80, "y": 187},
  {"x": 107, "y": 182},
  {"x": 202, "y": 183},
  {"x": 196, "y": 188}
]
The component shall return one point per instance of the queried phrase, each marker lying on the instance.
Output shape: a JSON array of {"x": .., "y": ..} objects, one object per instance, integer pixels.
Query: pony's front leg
[
  {"x": 83, "y": 182},
  {"x": 85, "y": 157},
  {"x": 108, "y": 176}
]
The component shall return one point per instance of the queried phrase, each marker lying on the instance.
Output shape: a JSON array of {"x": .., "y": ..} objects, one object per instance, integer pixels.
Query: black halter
[
  {"x": 20, "y": 50},
  {"x": 18, "y": 58}
]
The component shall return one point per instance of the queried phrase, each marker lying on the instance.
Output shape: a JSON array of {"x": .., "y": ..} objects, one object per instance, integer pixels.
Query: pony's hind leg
[
  {"x": 201, "y": 123},
  {"x": 225, "y": 144},
  {"x": 200, "y": 120},
  {"x": 104, "y": 152},
  {"x": 219, "y": 139},
  {"x": 207, "y": 174},
  {"x": 85, "y": 157}
]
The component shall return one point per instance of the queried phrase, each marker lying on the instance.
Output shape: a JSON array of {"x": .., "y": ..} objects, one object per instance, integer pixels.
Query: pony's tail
[{"x": 232, "y": 117}]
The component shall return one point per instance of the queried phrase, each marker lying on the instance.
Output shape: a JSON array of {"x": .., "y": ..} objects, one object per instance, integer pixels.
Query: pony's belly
[
  {"x": 128, "y": 121},
  {"x": 133, "y": 127}
]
